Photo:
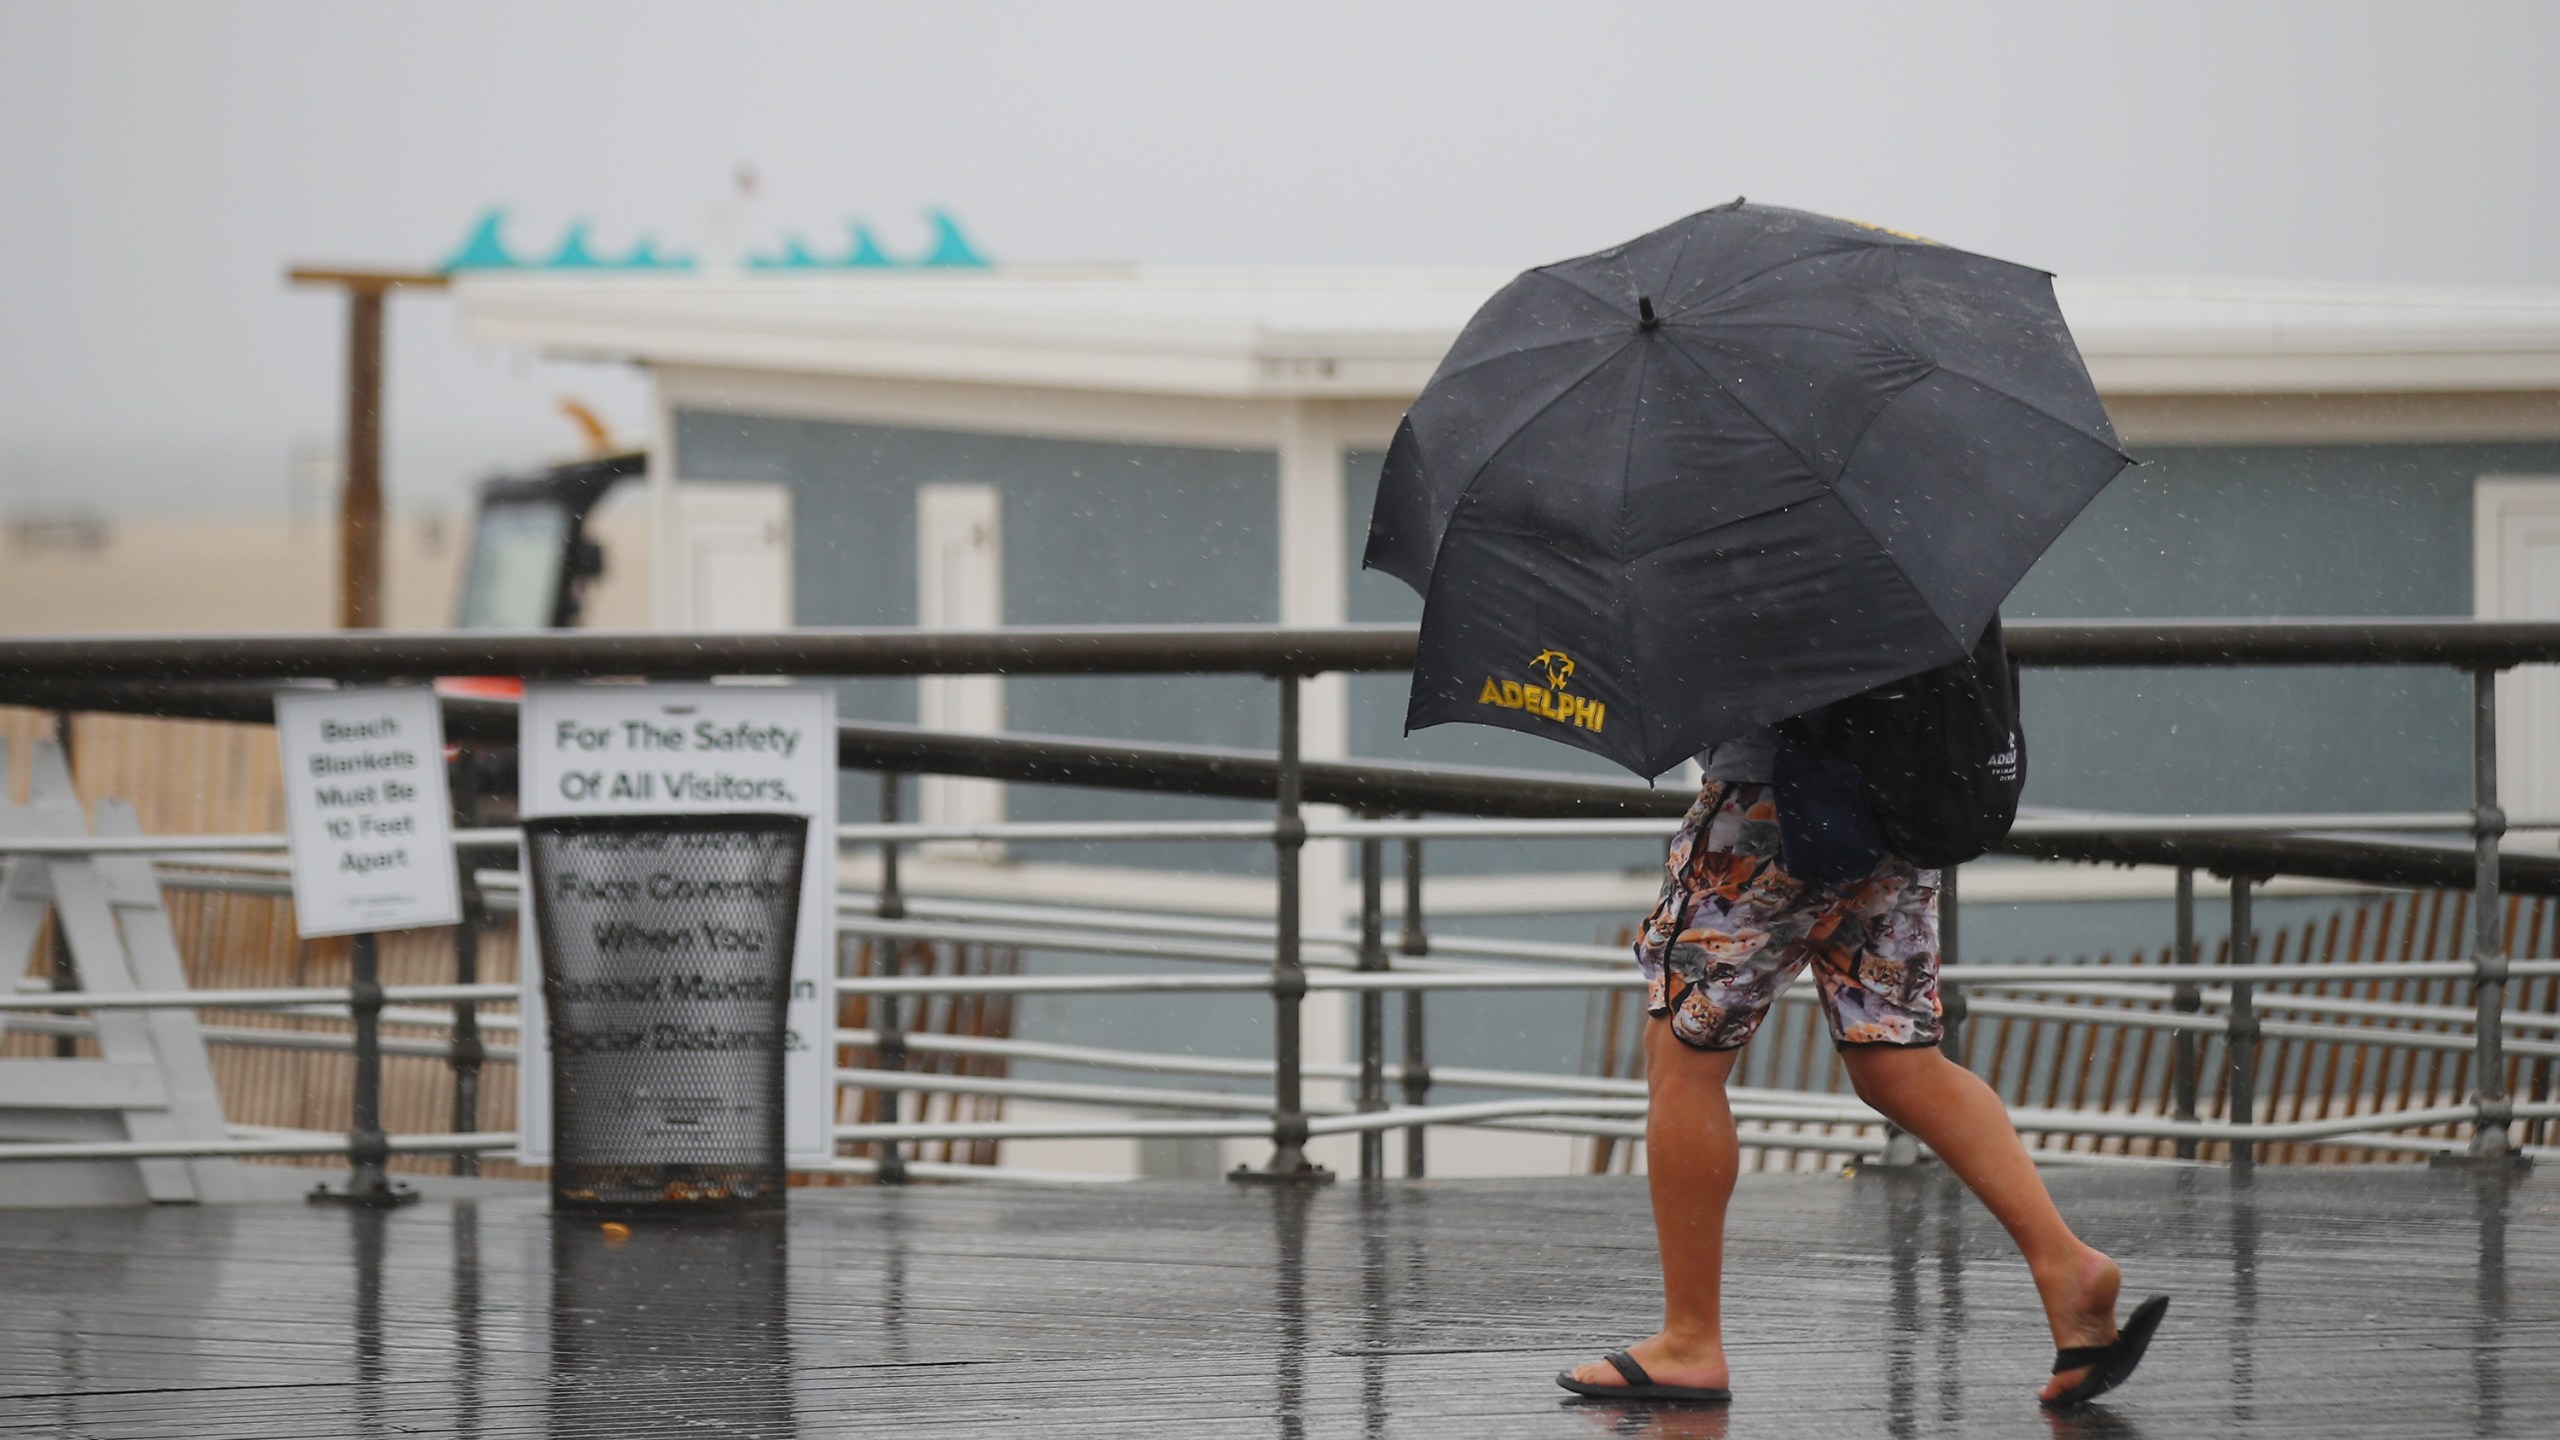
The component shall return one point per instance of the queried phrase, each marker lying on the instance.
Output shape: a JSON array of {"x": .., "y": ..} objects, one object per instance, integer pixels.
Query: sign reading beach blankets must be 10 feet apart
[
  {"x": 366, "y": 811},
  {"x": 693, "y": 750}
]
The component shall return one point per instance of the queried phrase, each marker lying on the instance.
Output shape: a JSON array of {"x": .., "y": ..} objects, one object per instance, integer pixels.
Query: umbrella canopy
[{"x": 1751, "y": 463}]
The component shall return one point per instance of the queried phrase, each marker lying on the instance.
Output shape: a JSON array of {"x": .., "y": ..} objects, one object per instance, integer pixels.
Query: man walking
[
  {"x": 1731, "y": 930},
  {"x": 1753, "y": 463}
]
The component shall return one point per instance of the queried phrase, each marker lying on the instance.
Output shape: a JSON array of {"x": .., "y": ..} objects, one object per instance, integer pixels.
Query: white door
[
  {"x": 733, "y": 557},
  {"x": 960, "y": 586},
  {"x": 2516, "y": 576}
]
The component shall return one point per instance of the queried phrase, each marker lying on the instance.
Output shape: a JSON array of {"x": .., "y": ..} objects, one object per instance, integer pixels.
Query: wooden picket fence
[
  {"x": 2125, "y": 1070},
  {"x": 983, "y": 1014}
]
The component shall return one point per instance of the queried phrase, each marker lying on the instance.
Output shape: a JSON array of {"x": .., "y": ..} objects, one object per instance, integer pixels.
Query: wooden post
[
  {"x": 360, "y": 506},
  {"x": 360, "y": 468}
]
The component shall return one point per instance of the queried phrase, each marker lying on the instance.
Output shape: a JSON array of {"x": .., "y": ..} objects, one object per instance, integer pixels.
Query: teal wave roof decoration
[{"x": 485, "y": 248}]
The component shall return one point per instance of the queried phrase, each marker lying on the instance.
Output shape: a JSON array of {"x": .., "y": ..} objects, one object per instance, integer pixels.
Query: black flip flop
[
  {"x": 2111, "y": 1364},
  {"x": 1639, "y": 1385}
]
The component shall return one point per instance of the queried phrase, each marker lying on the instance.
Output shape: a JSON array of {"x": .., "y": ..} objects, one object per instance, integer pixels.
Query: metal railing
[{"x": 233, "y": 678}]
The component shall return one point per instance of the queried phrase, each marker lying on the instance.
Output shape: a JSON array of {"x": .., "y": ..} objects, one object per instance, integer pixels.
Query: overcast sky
[{"x": 165, "y": 161}]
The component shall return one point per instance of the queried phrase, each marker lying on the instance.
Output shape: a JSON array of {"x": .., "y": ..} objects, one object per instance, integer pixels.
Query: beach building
[{"x": 1148, "y": 445}]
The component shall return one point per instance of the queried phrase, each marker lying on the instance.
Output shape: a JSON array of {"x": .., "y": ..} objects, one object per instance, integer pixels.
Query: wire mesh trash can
[{"x": 667, "y": 943}]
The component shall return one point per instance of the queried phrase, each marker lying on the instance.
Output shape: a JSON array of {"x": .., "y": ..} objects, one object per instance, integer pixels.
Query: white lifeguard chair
[{"x": 152, "y": 1083}]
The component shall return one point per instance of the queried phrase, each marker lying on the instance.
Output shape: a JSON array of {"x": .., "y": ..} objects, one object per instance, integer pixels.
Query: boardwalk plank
[{"x": 2335, "y": 1302}]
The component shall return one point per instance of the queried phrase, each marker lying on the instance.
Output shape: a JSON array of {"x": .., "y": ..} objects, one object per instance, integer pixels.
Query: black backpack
[{"x": 1941, "y": 755}]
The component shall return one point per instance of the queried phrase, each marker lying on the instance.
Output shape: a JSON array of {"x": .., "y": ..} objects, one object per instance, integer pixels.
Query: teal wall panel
[
  {"x": 1093, "y": 534},
  {"x": 2254, "y": 532}
]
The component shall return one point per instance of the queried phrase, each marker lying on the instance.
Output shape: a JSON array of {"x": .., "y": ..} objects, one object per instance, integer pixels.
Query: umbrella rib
[
  {"x": 2024, "y": 403},
  {"x": 1522, "y": 350},
  {"x": 1626, "y": 565},
  {"x": 1532, "y": 418},
  {"x": 1437, "y": 377},
  {"x": 1809, "y": 329},
  {"x": 1987, "y": 388},
  {"x": 1576, "y": 286},
  {"x": 1467, "y": 487},
  {"x": 1693, "y": 300},
  {"x": 1673, "y": 269},
  {"x": 1900, "y": 282},
  {"x": 1842, "y": 245},
  {"x": 1740, "y": 404},
  {"x": 1852, "y": 511},
  {"x": 1935, "y": 366}
]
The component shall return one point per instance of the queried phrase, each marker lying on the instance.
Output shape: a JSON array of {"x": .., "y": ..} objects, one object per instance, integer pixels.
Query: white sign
[
  {"x": 693, "y": 749},
  {"x": 366, "y": 811}
]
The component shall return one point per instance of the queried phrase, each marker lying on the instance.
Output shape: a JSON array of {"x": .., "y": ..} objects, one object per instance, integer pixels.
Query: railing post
[
  {"x": 368, "y": 1183},
  {"x": 468, "y": 1053},
  {"x": 2188, "y": 998},
  {"x": 888, "y": 1019},
  {"x": 2242, "y": 1038},
  {"x": 2492, "y": 1110},
  {"x": 1951, "y": 1001},
  {"x": 1373, "y": 1003},
  {"x": 65, "y": 972},
  {"x": 1288, "y": 969},
  {"x": 2489, "y": 1138},
  {"x": 1417, "y": 1069}
]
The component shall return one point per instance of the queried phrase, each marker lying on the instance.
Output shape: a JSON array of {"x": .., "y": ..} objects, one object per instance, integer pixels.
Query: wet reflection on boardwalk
[{"x": 2329, "y": 1303}]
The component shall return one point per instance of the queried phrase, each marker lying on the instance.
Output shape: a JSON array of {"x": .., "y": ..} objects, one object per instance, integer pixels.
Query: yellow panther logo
[
  {"x": 1888, "y": 230},
  {"x": 1548, "y": 702}
]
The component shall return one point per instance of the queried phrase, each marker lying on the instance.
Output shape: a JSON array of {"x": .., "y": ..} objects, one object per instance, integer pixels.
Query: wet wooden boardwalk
[{"x": 2334, "y": 1303}]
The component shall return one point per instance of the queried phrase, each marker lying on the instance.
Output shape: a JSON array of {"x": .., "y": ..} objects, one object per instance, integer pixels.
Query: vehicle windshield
[{"x": 516, "y": 556}]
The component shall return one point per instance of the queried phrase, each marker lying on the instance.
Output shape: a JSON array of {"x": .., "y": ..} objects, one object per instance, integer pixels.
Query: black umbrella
[{"x": 1751, "y": 463}]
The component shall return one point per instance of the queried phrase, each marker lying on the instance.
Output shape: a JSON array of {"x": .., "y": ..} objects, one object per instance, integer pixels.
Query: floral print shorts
[{"x": 1733, "y": 927}]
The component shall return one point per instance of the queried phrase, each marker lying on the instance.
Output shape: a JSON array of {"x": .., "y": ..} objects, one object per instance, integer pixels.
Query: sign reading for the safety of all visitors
[
  {"x": 693, "y": 749},
  {"x": 366, "y": 811}
]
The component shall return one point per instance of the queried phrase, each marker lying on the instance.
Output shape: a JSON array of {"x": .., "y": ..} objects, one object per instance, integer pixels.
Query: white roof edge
[
  {"x": 1378, "y": 332},
  {"x": 2176, "y": 285}
]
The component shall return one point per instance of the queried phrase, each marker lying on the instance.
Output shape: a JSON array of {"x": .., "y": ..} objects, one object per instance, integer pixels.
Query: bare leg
[
  {"x": 1690, "y": 1159},
  {"x": 1960, "y": 1118}
]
